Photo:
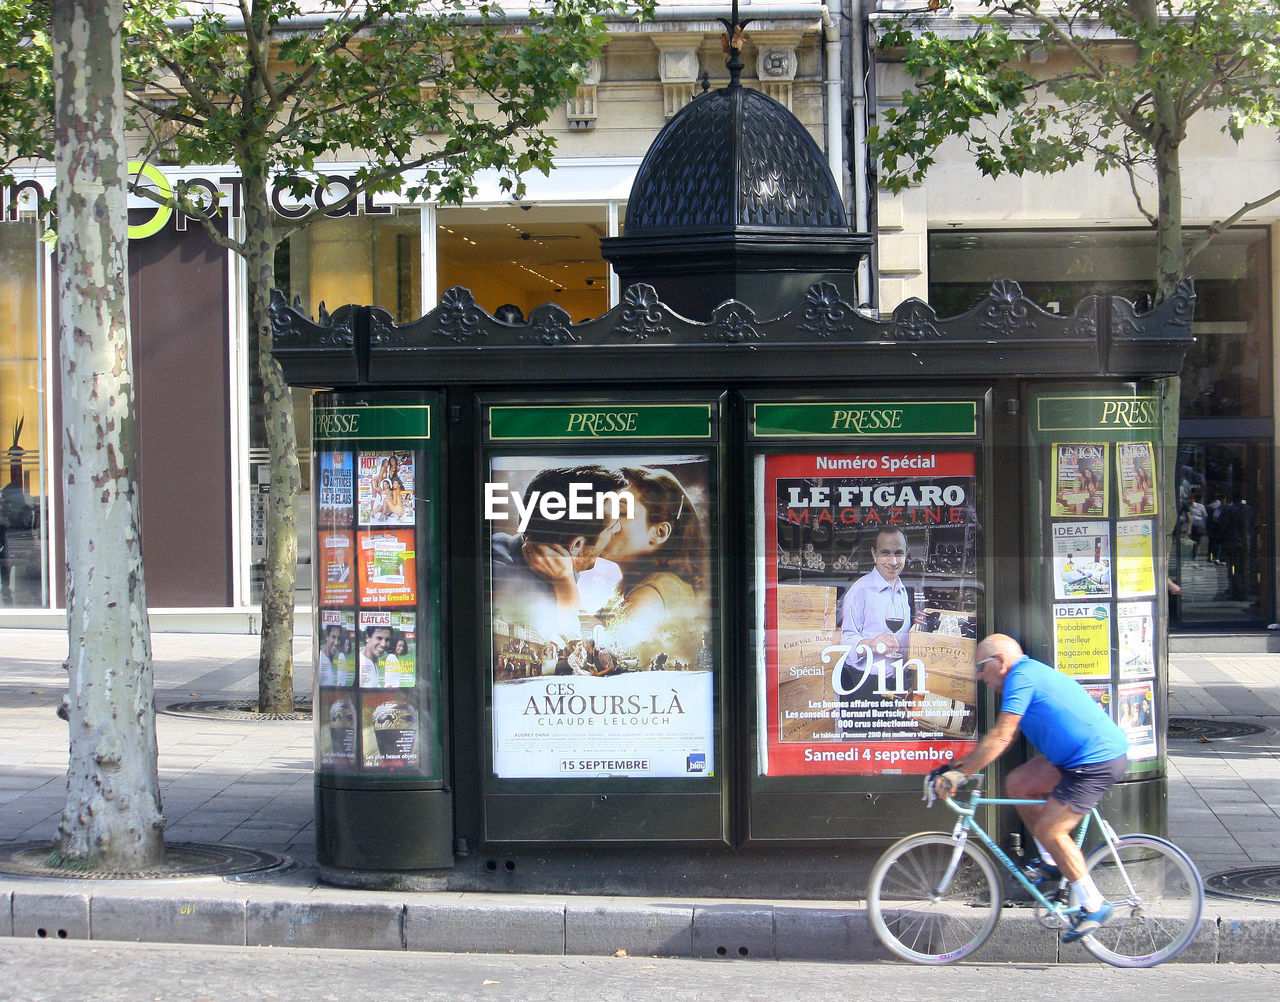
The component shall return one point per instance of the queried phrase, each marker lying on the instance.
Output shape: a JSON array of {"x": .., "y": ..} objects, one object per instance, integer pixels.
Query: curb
[{"x": 217, "y": 912}]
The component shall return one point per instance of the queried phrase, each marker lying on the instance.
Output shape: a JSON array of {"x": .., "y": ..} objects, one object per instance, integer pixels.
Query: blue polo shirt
[{"x": 1059, "y": 717}]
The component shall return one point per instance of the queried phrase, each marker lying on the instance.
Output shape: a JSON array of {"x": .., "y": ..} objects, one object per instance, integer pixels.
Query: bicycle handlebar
[{"x": 930, "y": 795}]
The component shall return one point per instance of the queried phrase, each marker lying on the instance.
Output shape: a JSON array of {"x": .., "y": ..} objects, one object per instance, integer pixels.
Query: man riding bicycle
[{"x": 1082, "y": 754}]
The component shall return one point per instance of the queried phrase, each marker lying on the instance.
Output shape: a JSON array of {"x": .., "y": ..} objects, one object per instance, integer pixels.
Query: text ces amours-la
[{"x": 581, "y": 503}]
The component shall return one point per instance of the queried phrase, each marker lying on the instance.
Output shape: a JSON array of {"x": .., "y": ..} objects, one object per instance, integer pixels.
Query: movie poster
[
  {"x": 335, "y": 502},
  {"x": 386, "y": 488},
  {"x": 1137, "y": 718},
  {"x": 335, "y": 560},
  {"x": 336, "y": 664},
  {"x": 1079, "y": 480},
  {"x": 1137, "y": 632},
  {"x": 1082, "y": 639},
  {"x": 387, "y": 567},
  {"x": 1135, "y": 467},
  {"x": 1081, "y": 559},
  {"x": 600, "y": 626},
  {"x": 388, "y": 650},
  {"x": 870, "y": 602}
]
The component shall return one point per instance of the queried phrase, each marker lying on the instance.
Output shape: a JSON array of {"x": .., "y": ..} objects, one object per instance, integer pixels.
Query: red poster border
[{"x": 852, "y": 757}]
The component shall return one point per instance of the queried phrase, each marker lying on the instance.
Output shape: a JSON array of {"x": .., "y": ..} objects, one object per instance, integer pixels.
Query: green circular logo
[{"x": 163, "y": 212}]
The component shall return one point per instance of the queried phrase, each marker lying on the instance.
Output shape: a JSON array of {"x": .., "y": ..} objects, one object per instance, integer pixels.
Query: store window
[
  {"x": 522, "y": 254},
  {"x": 364, "y": 260},
  {"x": 1226, "y": 431},
  {"x": 24, "y": 580}
]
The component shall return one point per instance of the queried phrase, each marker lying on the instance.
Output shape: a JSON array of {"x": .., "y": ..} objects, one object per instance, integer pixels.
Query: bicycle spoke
[
  {"x": 1157, "y": 919},
  {"x": 916, "y": 920}
]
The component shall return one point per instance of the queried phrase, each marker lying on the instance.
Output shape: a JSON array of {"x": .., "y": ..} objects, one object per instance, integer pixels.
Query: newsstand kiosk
[{"x": 586, "y": 610}]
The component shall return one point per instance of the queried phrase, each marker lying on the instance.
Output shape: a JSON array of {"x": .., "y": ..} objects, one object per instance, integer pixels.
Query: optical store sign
[{"x": 331, "y": 192}]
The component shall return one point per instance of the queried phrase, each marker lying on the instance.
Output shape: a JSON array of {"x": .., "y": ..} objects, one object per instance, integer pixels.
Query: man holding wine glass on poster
[{"x": 876, "y": 612}]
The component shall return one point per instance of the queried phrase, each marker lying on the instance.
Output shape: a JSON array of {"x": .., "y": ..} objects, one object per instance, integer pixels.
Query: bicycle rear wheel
[
  {"x": 1157, "y": 910},
  {"x": 918, "y": 918}
]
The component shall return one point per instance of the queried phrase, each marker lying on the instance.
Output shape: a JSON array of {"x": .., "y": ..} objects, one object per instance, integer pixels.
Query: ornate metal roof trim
[{"x": 824, "y": 335}]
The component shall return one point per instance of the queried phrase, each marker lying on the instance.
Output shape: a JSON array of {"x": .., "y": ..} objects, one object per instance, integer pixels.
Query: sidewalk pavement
[{"x": 249, "y": 784}]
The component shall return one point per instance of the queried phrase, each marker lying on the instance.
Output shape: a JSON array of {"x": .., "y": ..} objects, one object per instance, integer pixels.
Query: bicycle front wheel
[
  {"x": 1158, "y": 899},
  {"x": 933, "y": 901}
]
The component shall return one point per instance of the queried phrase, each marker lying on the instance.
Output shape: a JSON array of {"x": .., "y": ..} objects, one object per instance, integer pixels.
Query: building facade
[{"x": 202, "y": 451}]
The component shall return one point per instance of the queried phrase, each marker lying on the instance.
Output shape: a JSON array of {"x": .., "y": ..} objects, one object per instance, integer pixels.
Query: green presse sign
[
  {"x": 878, "y": 419},
  {"x": 604, "y": 421},
  {"x": 1097, "y": 413},
  {"x": 380, "y": 421}
]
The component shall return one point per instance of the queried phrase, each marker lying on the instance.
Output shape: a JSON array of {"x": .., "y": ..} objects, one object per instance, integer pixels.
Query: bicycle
[{"x": 935, "y": 898}]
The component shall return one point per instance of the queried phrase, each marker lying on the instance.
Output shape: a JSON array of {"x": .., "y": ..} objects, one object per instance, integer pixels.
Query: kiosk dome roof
[{"x": 732, "y": 159}]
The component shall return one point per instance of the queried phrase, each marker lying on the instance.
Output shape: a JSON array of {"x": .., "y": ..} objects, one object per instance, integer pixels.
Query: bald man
[{"x": 1082, "y": 754}]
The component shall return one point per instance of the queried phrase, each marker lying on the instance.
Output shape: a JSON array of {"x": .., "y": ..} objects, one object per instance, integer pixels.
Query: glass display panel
[
  {"x": 868, "y": 597},
  {"x": 377, "y": 660},
  {"x": 1099, "y": 523},
  {"x": 600, "y": 614}
]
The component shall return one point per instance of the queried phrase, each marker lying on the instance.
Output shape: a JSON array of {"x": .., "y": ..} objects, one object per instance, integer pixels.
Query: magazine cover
[
  {"x": 388, "y": 653},
  {"x": 1079, "y": 480},
  {"x": 388, "y": 567},
  {"x": 1135, "y": 558},
  {"x": 1100, "y": 694},
  {"x": 870, "y": 602},
  {"x": 1135, "y": 467},
  {"x": 1137, "y": 718},
  {"x": 601, "y": 629},
  {"x": 386, "y": 488},
  {"x": 1137, "y": 639},
  {"x": 1081, "y": 559},
  {"x": 336, "y": 559},
  {"x": 336, "y": 662},
  {"x": 1082, "y": 639},
  {"x": 390, "y": 736},
  {"x": 336, "y": 500},
  {"x": 336, "y": 723}
]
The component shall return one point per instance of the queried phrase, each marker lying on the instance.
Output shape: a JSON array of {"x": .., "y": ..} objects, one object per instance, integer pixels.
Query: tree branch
[
  {"x": 253, "y": 44},
  {"x": 1137, "y": 196},
  {"x": 1218, "y": 227}
]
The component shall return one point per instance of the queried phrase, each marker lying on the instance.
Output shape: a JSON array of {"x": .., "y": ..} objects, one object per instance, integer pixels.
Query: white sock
[
  {"x": 1087, "y": 893},
  {"x": 1045, "y": 854}
]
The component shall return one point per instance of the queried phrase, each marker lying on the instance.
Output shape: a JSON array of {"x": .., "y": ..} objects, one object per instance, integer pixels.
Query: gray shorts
[{"x": 1082, "y": 788}]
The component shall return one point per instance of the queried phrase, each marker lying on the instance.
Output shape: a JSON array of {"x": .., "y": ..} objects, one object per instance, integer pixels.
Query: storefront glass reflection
[
  {"x": 1220, "y": 555},
  {"x": 23, "y": 501},
  {"x": 1226, "y": 388}
]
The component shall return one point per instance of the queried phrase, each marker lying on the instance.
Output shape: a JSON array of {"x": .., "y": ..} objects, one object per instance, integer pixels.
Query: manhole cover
[
  {"x": 1252, "y": 883},
  {"x": 1196, "y": 729},
  {"x": 235, "y": 709},
  {"x": 182, "y": 859}
]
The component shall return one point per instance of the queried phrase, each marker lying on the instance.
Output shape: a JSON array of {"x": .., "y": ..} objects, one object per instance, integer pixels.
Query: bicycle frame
[{"x": 967, "y": 823}]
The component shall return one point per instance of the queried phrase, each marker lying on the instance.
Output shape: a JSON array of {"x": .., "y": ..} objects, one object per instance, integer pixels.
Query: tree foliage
[
  {"x": 1039, "y": 87},
  {"x": 26, "y": 84},
  {"x": 443, "y": 89},
  {"x": 435, "y": 90}
]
